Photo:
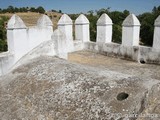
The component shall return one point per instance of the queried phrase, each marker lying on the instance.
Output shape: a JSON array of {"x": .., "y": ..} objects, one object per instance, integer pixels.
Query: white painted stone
[
  {"x": 82, "y": 20},
  {"x": 104, "y": 29},
  {"x": 104, "y": 20},
  {"x": 6, "y": 61},
  {"x": 37, "y": 35},
  {"x": 21, "y": 39},
  {"x": 44, "y": 21},
  {"x": 82, "y": 29},
  {"x": 78, "y": 45},
  {"x": 131, "y": 20},
  {"x": 65, "y": 25},
  {"x": 156, "y": 39},
  {"x": 60, "y": 43},
  {"x": 17, "y": 42},
  {"x": 130, "y": 31},
  {"x": 15, "y": 22},
  {"x": 17, "y": 37}
]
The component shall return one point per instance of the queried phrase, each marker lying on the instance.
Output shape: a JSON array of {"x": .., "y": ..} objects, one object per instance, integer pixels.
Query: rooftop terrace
[
  {"x": 46, "y": 75},
  {"x": 87, "y": 86},
  {"x": 94, "y": 59}
]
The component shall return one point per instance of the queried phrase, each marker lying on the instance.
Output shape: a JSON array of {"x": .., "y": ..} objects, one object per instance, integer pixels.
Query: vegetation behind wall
[
  {"x": 3, "y": 39},
  {"x": 146, "y": 19}
]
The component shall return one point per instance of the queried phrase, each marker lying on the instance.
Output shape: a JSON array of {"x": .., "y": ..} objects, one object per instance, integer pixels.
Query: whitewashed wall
[
  {"x": 36, "y": 35},
  {"x": 104, "y": 29},
  {"x": 65, "y": 24},
  {"x": 130, "y": 48},
  {"x": 82, "y": 32},
  {"x": 130, "y": 31},
  {"x": 156, "y": 39},
  {"x": 22, "y": 40}
]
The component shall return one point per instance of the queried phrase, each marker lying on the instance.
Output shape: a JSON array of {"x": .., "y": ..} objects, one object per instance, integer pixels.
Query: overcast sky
[{"x": 77, "y": 6}]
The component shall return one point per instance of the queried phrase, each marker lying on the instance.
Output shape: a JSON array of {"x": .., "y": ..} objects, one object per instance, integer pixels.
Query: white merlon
[
  {"x": 65, "y": 20},
  {"x": 65, "y": 24},
  {"x": 157, "y": 21},
  {"x": 156, "y": 38},
  {"x": 104, "y": 29},
  {"x": 17, "y": 37},
  {"x": 22, "y": 39},
  {"x": 60, "y": 42},
  {"x": 131, "y": 20},
  {"x": 81, "y": 20},
  {"x": 16, "y": 22},
  {"x": 130, "y": 31},
  {"x": 104, "y": 20},
  {"x": 82, "y": 29},
  {"x": 44, "y": 20}
]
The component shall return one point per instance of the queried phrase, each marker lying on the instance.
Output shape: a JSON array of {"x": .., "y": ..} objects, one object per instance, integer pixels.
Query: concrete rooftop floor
[
  {"x": 88, "y": 87},
  {"x": 116, "y": 64}
]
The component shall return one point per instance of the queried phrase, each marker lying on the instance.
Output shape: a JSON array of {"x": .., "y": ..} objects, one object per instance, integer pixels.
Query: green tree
[
  {"x": 10, "y": 9},
  {"x": 91, "y": 12},
  {"x": 16, "y": 9},
  {"x": 60, "y": 11},
  {"x": 73, "y": 16},
  {"x": 118, "y": 18},
  {"x": 3, "y": 42},
  {"x": 40, "y": 9},
  {"x": 103, "y": 10},
  {"x": 147, "y": 26},
  {"x": 93, "y": 28},
  {"x": 53, "y": 10},
  {"x": 33, "y": 9}
]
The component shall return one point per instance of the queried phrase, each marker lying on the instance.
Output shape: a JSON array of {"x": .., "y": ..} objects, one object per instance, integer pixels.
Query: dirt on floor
[
  {"x": 103, "y": 88},
  {"x": 115, "y": 64}
]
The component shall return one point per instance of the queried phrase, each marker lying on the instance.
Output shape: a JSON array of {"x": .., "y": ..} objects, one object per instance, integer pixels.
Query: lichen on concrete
[{"x": 50, "y": 88}]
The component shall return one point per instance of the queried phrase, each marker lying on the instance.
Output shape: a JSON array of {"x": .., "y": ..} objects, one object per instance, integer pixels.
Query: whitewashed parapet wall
[
  {"x": 54, "y": 47},
  {"x": 82, "y": 29},
  {"x": 65, "y": 24},
  {"x": 36, "y": 41},
  {"x": 152, "y": 54},
  {"x": 104, "y": 29},
  {"x": 22, "y": 39},
  {"x": 130, "y": 48},
  {"x": 130, "y": 31},
  {"x": 60, "y": 42},
  {"x": 156, "y": 39},
  {"x": 41, "y": 32}
]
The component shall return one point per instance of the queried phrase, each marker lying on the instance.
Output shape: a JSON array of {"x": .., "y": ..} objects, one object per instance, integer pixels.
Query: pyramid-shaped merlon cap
[
  {"x": 81, "y": 20},
  {"x": 104, "y": 20},
  {"x": 131, "y": 20},
  {"x": 157, "y": 21},
  {"x": 16, "y": 22},
  {"x": 44, "y": 20},
  {"x": 65, "y": 20}
]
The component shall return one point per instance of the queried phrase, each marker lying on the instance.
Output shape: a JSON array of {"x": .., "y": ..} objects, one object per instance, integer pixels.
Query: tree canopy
[
  {"x": 12, "y": 9},
  {"x": 147, "y": 26},
  {"x": 3, "y": 41}
]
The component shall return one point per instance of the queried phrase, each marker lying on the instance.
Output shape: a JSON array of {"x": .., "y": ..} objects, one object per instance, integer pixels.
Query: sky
[{"x": 78, "y": 6}]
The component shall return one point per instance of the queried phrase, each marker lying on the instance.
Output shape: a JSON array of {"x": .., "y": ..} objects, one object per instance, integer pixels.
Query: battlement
[{"x": 29, "y": 42}]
